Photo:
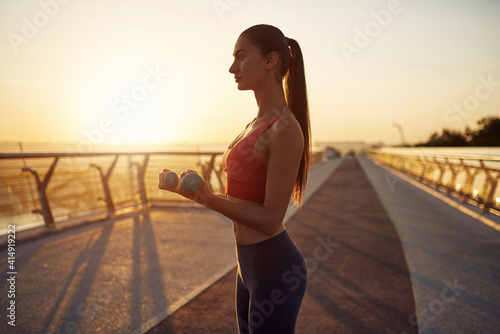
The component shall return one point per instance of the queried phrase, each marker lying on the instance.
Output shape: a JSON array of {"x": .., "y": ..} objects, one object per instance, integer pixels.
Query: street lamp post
[{"x": 400, "y": 128}]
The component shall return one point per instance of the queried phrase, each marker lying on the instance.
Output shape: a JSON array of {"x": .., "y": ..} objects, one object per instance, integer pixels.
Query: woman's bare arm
[{"x": 285, "y": 152}]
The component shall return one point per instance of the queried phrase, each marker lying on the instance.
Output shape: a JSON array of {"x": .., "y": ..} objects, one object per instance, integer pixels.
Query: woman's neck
[{"x": 270, "y": 100}]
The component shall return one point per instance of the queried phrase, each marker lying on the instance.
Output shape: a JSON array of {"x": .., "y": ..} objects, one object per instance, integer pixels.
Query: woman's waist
[
  {"x": 244, "y": 235},
  {"x": 265, "y": 250}
]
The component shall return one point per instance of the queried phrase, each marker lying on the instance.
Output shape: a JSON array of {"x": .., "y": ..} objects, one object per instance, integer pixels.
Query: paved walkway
[{"x": 358, "y": 280}]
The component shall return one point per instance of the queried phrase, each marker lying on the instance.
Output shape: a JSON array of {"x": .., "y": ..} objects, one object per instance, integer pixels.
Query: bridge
[{"x": 387, "y": 252}]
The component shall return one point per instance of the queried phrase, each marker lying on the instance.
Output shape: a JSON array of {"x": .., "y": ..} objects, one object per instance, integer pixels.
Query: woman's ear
[{"x": 272, "y": 60}]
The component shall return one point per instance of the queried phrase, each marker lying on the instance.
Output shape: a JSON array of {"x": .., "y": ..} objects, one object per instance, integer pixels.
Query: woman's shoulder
[
  {"x": 287, "y": 123},
  {"x": 288, "y": 137},
  {"x": 288, "y": 130}
]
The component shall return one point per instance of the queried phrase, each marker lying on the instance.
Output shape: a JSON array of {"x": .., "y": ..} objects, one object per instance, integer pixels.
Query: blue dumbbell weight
[
  {"x": 171, "y": 179},
  {"x": 191, "y": 182}
]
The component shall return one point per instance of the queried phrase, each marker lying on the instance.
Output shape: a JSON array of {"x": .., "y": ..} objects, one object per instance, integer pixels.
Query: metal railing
[
  {"x": 471, "y": 178},
  {"x": 62, "y": 186},
  {"x": 42, "y": 189}
]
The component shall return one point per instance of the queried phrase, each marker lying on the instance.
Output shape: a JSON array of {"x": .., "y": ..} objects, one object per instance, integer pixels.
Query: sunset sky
[{"x": 157, "y": 70}]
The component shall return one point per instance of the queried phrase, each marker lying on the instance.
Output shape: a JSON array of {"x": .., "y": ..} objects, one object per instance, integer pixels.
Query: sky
[{"x": 156, "y": 71}]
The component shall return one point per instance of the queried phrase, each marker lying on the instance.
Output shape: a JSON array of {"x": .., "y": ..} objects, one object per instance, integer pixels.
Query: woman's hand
[{"x": 202, "y": 195}]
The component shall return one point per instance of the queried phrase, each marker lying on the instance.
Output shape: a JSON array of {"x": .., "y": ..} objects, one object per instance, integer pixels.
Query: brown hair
[{"x": 291, "y": 70}]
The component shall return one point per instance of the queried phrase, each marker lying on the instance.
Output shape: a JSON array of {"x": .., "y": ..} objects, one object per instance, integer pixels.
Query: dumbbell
[
  {"x": 171, "y": 179},
  {"x": 190, "y": 183}
]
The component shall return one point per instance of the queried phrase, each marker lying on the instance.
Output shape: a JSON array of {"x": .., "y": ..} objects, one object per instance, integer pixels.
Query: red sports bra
[{"x": 245, "y": 172}]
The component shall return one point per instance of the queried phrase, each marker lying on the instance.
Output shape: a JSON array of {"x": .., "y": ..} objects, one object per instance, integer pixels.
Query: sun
[{"x": 129, "y": 101}]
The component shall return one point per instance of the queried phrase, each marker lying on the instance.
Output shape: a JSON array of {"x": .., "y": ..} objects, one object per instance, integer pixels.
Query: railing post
[
  {"x": 218, "y": 173},
  {"x": 403, "y": 163},
  {"x": 489, "y": 201},
  {"x": 141, "y": 172},
  {"x": 439, "y": 181},
  {"x": 493, "y": 181},
  {"x": 469, "y": 182},
  {"x": 105, "y": 185},
  {"x": 411, "y": 166},
  {"x": 454, "y": 173},
  {"x": 424, "y": 168},
  {"x": 430, "y": 170},
  {"x": 207, "y": 170},
  {"x": 42, "y": 193},
  {"x": 488, "y": 177}
]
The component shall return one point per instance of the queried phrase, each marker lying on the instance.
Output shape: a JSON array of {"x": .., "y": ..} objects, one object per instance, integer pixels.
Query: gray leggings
[{"x": 270, "y": 285}]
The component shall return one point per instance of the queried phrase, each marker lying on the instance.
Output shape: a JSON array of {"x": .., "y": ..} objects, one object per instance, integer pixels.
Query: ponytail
[
  {"x": 296, "y": 98},
  {"x": 271, "y": 39}
]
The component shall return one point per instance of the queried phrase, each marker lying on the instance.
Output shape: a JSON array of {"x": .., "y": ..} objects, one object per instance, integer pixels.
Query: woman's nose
[{"x": 232, "y": 68}]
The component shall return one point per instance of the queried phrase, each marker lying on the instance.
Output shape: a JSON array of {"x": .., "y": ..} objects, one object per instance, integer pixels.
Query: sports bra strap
[{"x": 257, "y": 132}]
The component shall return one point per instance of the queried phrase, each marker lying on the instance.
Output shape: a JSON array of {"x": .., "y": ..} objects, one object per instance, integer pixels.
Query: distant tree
[
  {"x": 487, "y": 135},
  {"x": 446, "y": 138}
]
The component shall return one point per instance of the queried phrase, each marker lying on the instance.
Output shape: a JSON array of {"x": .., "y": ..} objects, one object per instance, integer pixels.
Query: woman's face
[{"x": 249, "y": 66}]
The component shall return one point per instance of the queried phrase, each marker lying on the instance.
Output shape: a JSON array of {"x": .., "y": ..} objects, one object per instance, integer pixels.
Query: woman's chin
[{"x": 242, "y": 86}]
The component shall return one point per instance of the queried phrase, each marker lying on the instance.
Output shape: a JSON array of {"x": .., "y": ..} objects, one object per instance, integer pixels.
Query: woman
[{"x": 265, "y": 165}]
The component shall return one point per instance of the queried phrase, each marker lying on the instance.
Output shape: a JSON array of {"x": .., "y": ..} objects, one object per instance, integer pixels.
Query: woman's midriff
[{"x": 245, "y": 235}]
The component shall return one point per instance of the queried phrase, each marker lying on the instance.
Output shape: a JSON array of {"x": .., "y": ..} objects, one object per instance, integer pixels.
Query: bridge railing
[
  {"x": 472, "y": 178},
  {"x": 43, "y": 189}
]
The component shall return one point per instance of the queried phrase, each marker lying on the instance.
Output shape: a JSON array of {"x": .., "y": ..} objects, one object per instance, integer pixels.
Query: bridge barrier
[{"x": 472, "y": 178}]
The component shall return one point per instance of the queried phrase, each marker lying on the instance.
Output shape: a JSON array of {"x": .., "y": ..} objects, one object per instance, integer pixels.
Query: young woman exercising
[{"x": 265, "y": 165}]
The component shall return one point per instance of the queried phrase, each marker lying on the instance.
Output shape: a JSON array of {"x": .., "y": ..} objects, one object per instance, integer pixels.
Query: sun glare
[{"x": 128, "y": 101}]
